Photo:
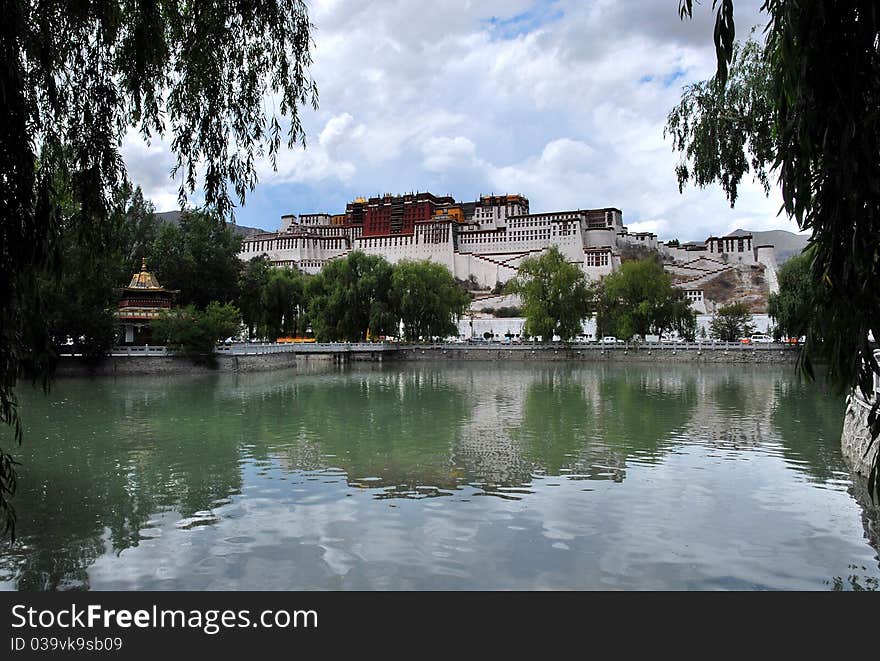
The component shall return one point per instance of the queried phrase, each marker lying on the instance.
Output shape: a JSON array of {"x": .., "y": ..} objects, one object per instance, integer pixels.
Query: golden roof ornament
[{"x": 144, "y": 279}]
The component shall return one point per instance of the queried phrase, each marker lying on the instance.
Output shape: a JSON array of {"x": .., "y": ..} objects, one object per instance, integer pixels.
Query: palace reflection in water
[{"x": 437, "y": 476}]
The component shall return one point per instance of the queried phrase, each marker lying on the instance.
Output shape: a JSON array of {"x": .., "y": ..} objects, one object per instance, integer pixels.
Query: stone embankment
[
  {"x": 698, "y": 353},
  {"x": 855, "y": 441},
  {"x": 860, "y": 453},
  {"x": 131, "y": 365},
  {"x": 239, "y": 358}
]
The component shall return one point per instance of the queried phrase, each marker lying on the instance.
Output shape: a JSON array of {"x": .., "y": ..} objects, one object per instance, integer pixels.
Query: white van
[{"x": 760, "y": 338}]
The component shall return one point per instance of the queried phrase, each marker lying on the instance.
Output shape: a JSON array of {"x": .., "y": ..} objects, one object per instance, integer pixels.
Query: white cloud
[
  {"x": 338, "y": 131},
  {"x": 323, "y": 160},
  {"x": 441, "y": 154},
  {"x": 562, "y": 101},
  {"x": 149, "y": 166}
]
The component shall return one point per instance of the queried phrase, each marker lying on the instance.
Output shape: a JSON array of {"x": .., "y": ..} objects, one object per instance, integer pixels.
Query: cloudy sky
[{"x": 563, "y": 101}]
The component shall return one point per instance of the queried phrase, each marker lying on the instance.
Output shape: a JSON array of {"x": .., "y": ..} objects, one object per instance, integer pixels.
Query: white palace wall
[
  {"x": 600, "y": 238},
  {"x": 431, "y": 242},
  {"x": 490, "y": 251},
  {"x": 767, "y": 256},
  {"x": 683, "y": 255},
  {"x": 307, "y": 253}
]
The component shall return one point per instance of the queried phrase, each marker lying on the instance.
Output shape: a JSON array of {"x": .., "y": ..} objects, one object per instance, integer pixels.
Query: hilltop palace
[{"x": 486, "y": 240}]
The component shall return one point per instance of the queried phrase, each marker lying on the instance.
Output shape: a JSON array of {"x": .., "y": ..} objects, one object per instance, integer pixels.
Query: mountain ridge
[
  {"x": 173, "y": 217},
  {"x": 787, "y": 244}
]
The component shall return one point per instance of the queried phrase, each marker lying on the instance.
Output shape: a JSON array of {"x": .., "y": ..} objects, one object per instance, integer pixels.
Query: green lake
[{"x": 438, "y": 476}]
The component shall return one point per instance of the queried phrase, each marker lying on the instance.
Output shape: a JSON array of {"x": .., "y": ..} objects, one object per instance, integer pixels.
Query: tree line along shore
[{"x": 359, "y": 297}]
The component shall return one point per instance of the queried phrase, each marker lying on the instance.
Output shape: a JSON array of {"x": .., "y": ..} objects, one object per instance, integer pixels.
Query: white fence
[
  {"x": 602, "y": 346},
  {"x": 499, "y": 327},
  {"x": 257, "y": 349}
]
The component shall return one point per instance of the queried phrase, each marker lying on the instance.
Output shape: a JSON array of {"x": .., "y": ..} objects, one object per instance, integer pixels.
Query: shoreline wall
[
  {"x": 859, "y": 456},
  {"x": 145, "y": 365},
  {"x": 855, "y": 439},
  {"x": 576, "y": 355}
]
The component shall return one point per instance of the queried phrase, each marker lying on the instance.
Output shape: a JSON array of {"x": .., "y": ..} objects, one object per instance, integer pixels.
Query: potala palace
[{"x": 486, "y": 240}]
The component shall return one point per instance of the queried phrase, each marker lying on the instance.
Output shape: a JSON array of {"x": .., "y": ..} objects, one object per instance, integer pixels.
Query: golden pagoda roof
[{"x": 144, "y": 279}]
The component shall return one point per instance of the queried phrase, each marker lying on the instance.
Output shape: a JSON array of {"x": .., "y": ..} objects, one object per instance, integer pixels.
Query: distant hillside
[
  {"x": 787, "y": 244},
  {"x": 173, "y": 217}
]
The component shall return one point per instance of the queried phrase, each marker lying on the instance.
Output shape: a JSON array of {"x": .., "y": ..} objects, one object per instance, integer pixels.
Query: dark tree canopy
[
  {"x": 639, "y": 299},
  {"x": 139, "y": 231},
  {"x": 283, "y": 303},
  {"x": 195, "y": 332},
  {"x": 427, "y": 299},
  {"x": 350, "y": 298},
  {"x": 731, "y": 323},
  {"x": 792, "y": 308},
  {"x": 253, "y": 278},
  {"x": 77, "y": 75},
  {"x": 724, "y": 132},
  {"x": 822, "y": 94},
  {"x": 198, "y": 258},
  {"x": 555, "y": 294},
  {"x": 77, "y": 308}
]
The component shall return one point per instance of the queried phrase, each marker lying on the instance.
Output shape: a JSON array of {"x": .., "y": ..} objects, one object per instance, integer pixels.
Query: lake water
[{"x": 438, "y": 476}]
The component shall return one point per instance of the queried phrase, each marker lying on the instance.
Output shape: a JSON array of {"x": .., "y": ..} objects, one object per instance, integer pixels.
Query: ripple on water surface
[{"x": 438, "y": 476}]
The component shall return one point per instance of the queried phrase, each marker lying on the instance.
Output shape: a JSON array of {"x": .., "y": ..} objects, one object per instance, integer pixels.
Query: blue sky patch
[
  {"x": 542, "y": 13},
  {"x": 673, "y": 77}
]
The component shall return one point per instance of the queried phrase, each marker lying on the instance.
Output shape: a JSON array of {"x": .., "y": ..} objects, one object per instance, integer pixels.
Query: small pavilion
[{"x": 141, "y": 302}]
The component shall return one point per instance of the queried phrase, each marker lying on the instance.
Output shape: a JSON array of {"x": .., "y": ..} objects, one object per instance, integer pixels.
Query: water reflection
[
  {"x": 373, "y": 477},
  {"x": 801, "y": 420}
]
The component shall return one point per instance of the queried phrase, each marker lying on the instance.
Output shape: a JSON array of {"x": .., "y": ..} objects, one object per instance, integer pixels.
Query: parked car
[
  {"x": 610, "y": 339},
  {"x": 761, "y": 338}
]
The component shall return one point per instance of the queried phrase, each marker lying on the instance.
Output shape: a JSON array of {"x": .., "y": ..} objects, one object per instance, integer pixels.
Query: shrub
[{"x": 195, "y": 333}]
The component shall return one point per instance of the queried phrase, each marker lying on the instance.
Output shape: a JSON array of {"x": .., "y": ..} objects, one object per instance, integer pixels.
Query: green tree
[
  {"x": 427, "y": 299},
  {"x": 508, "y": 311},
  {"x": 251, "y": 281},
  {"x": 674, "y": 313},
  {"x": 792, "y": 309},
  {"x": 555, "y": 294},
  {"x": 76, "y": 79},
  {"x": 199, "y": 258},
  {"x": 639, "y": 299},
  {"x": 351, "y": 296},
  {"x": 725, "y": 132},
  {"x": 79, "y": 306},
  {"x": 812, "y": 122},
  {"x": 140, "y": 228},
  {"x": 731, "y": 322},
  {"x": 79, "y": 299},
  {"x": 196, "y": 332},
  {"x": 282, "y": 302}
]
